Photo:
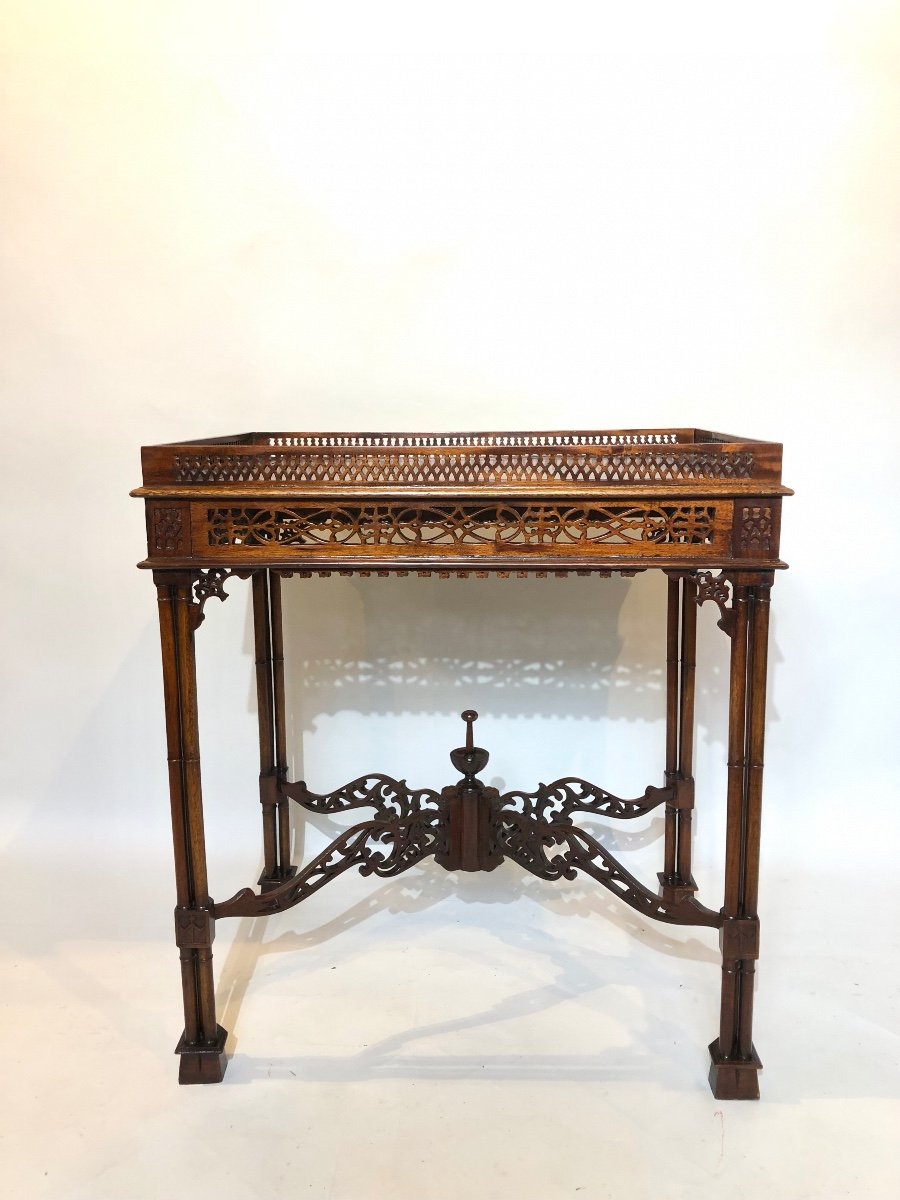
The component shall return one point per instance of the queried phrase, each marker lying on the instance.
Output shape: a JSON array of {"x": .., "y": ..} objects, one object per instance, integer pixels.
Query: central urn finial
[{"x": 469, "y": 759}]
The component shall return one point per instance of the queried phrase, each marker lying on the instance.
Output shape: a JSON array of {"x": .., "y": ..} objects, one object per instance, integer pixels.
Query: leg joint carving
[
  {"x": 684, "y": 794},
  {"x": 195, "y": 928},
  {"x": 269, "y": 793},
  {"x": 739, "y": 938}
]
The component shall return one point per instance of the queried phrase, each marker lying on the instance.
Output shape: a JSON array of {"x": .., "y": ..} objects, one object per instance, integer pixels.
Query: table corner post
[
  {"x": 202, "y": 1045},
  {"x": 735, "y": 1064}
]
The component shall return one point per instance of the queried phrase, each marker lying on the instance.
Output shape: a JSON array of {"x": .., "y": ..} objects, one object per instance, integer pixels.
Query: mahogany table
[{"x": 702, "y": 507}]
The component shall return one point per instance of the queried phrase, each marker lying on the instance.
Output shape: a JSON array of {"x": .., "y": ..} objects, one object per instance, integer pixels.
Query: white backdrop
[{"x": 301, "y": 216}]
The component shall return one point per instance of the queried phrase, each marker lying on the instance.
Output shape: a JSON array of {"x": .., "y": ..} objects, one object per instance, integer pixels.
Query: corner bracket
[
  {"x": 212, "y": 583},
  {"x": 718, "y": 589}
]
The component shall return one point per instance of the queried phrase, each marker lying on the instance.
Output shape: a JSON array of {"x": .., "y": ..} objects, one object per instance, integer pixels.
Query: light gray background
[{"x": 219, "y": 218}]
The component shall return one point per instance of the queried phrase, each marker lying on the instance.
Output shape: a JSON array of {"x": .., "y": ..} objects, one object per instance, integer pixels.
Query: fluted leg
[
  {"x": 202, "y": 1044},
  {"x": 735, "y": 1063}
]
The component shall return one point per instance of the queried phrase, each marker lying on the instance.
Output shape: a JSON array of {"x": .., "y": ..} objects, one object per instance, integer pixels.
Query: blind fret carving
[
  {"x": 756, "y": 529},
  {"x": 166, "y": 529}
]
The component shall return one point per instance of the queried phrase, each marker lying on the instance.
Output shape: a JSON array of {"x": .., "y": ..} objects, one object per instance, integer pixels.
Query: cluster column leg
[
  {"x": 735, "y": 1063},
  {"x": 675, "y": 880},
  {"x": 202, "y": 1045},
  {"x": 269, "y": 643}
]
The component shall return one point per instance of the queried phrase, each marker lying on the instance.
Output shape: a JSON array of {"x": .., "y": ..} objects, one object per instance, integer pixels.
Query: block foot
[
  {"x": 734, "y": 1078},
  {"x": 202, "y": 1064}
]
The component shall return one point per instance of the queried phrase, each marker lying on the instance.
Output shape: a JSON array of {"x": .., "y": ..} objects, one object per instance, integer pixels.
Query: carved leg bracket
[
  {"x": 209, "y": 584},
  {"x": 718, "y": 589}
]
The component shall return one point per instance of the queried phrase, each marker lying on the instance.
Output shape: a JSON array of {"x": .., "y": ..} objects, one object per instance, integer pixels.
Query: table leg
[
  {"x": 202, "y": 1045},
  {"x": 735, "y": 1063},
  {"x": 269, "y": 639},
  {"x": 676, "y": 880}
]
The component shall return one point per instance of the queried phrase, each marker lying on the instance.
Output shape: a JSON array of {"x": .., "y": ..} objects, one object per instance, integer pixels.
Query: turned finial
[
  {"x": 470, "y": 716},
  {"x": 469, "y": 759}
]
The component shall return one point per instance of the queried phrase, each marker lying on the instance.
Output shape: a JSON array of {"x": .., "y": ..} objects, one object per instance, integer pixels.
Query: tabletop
[{"x": 583, "y": 501}]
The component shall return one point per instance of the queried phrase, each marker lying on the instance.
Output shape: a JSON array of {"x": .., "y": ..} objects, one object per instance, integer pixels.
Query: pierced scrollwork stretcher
[{"x": 534, "y": 829}]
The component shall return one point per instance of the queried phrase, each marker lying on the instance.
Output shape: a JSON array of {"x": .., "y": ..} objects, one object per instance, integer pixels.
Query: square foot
[
  {"x": 268, "y": 883},
  {"x": 202, "y": 1064},
  {"x": 734, "y": 1078}
]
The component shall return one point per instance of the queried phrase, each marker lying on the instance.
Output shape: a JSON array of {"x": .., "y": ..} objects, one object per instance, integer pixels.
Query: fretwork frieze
[{"x": 444, "y": 528}]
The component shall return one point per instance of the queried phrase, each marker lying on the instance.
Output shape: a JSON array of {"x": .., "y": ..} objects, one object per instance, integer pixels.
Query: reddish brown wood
[
  {"x": 468, "y": 810},
  {"x": 590, "y": 500},
  {"x": 267, "y": 506},
  {"x": 667, "y": 877},
  {"x": 470, "y": 827},
  {"x": 268, "y": 783},
  {"x": 685, "y": 789},
  {"x": 589, "y": 459},
  {"x": 285, "y": 868},
  {"x": 735, "y": 1063},
  {"x": 269, "y": 646},
  {"x": 675, "y": 879},
  {"x": 203, "y": 1043}
]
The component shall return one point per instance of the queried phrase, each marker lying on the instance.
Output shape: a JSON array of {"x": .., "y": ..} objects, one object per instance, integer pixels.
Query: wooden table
[{"x": 702, "y": 507}]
